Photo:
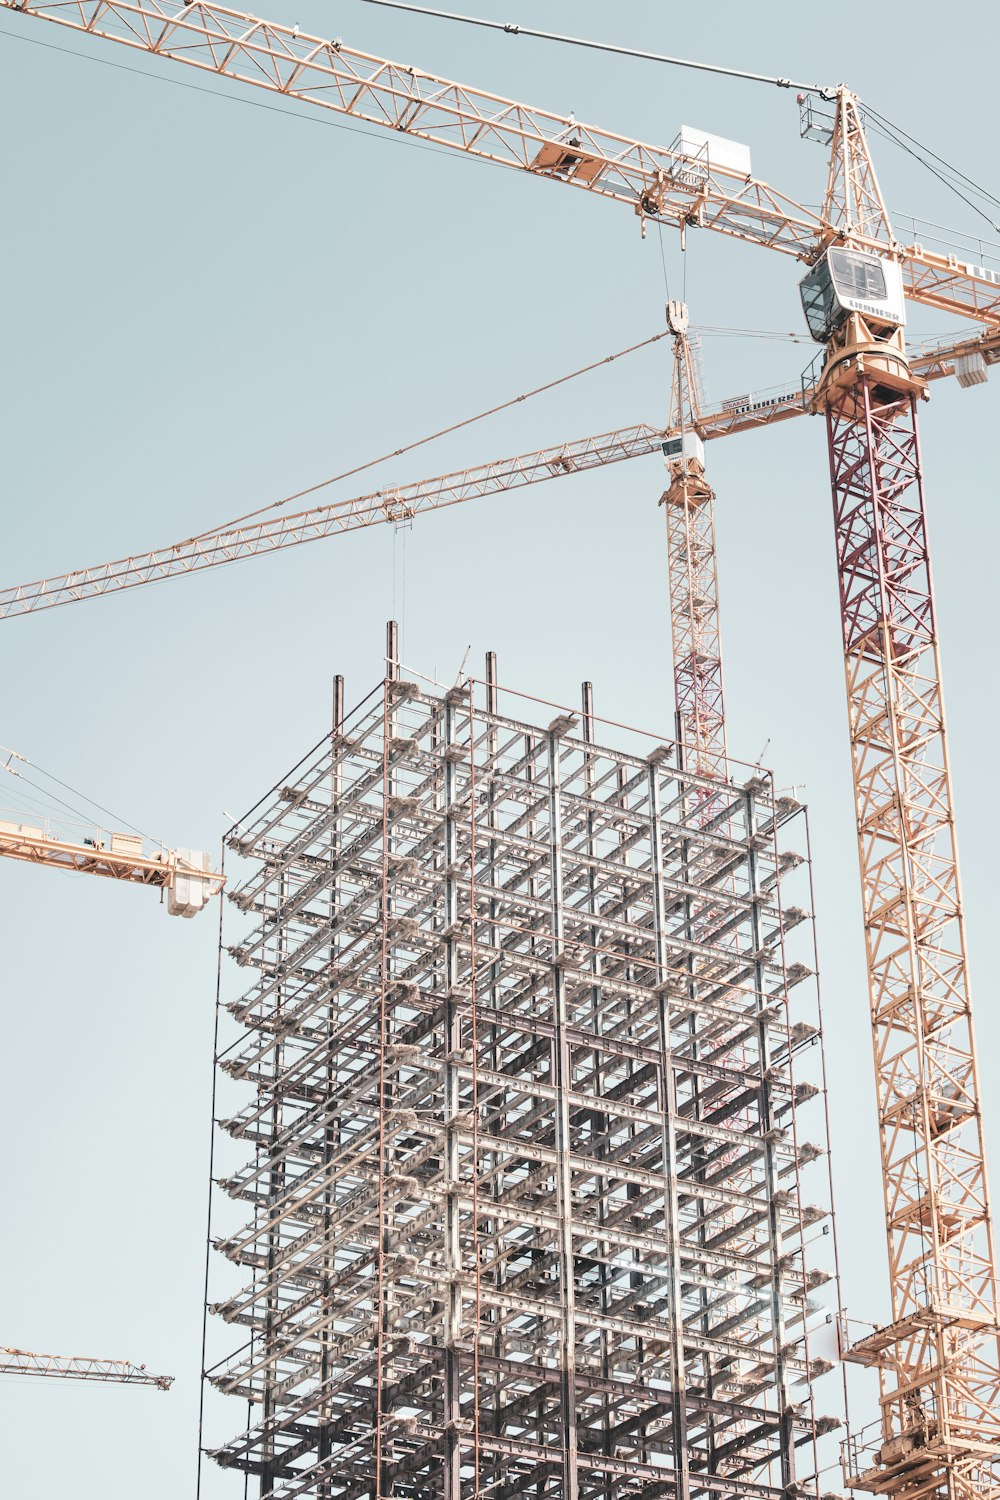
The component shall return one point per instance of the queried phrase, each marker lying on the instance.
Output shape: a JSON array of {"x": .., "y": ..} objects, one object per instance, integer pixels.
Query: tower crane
[
  {"x": 688, "y": 501},
  {"x": 938, "y": 1359}
]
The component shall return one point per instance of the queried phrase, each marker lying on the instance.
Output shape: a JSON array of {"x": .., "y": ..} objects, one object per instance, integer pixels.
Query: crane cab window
[
  {"x": 857, "y": 275},
  {"x": 845, "y": 281},
  {"x": 819, "y": 301}
]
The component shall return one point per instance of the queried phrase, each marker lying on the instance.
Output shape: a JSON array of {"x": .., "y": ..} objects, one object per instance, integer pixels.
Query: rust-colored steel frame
[
  {"x": 656, "y": 182},
  {"x": 403, "y": 503},
  {"x": 939, "y": 1358},
  {"x": 938, "y": 1361},
  {"x": 525, "y": 1051}
]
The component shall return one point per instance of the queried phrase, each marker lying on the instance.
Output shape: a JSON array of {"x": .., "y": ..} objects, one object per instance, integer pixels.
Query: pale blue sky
[{"x": 208, "y": 305}]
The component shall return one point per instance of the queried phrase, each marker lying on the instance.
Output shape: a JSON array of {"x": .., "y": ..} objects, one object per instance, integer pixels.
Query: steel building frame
[{"x": 521, "y": 1067}]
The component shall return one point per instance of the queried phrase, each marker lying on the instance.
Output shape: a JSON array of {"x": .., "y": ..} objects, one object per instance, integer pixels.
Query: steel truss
[
  {"x": 694, "y": 617},
  {"x": 938, "y": 1363},
  {"x": 521, "y": 1068},
  {"x": 668, "y": 184},
  {"x": 689, "y": 501},
  {"x": 401, "y": 504},
  {"x": 69, "y": 1367}
]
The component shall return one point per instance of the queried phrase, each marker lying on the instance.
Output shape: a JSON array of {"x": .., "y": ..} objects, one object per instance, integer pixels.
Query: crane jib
[{"x": 658, "y": 182}]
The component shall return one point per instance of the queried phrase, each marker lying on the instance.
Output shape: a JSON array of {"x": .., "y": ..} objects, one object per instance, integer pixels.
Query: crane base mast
[{"x": 937, "y": 1360}]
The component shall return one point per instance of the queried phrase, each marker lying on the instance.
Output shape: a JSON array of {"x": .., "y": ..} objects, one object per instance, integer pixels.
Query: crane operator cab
[{"x": 853, "y": 303}]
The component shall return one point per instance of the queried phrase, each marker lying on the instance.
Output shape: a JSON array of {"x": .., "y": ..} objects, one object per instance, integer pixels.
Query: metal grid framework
[
  {"x": 694, "y": 616},
  {"x": 938, "y": 1361},
  {"x": 520, "y": 1066}
]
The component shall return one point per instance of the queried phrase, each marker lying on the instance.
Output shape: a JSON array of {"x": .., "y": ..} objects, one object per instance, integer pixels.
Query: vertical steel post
[
  {"x": 392, "y": 651},
  {"x": 331, "y": 1129},
  {"x": 768, "y": 1122},
  {"x": 668, "y": 1148},
  {"x": 452, "y": 1456},
  {"x": 563, "y": 1139}
]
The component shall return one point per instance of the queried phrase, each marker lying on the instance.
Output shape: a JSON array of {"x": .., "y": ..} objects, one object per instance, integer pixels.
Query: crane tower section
[
  {"x": 938, "y": 1359},
  {"x": 527, "y": 1066},
  {"x": 689, "y": 502}
]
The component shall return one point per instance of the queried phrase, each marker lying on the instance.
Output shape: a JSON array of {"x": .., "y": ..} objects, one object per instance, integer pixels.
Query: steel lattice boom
[
  {"x": 654, "y": 181},
  {"x": 69, "y": 1367},
  {"x": 404, "y": 502},
  {"x": 184, "y": 874}
]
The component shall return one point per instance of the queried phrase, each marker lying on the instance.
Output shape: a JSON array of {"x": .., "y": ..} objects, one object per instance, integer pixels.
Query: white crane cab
[
  {"x": 843, "y": 282},
  {"x": 682, "y": 445}
]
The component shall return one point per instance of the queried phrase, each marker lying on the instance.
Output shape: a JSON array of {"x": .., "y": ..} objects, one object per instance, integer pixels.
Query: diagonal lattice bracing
[{"x": 937, "y": 1360}]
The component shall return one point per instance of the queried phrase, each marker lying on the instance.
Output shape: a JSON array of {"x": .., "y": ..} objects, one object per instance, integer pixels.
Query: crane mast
[
  {"x": 404, "y": 502},
  {"x": 937, "y": 1360},
  {"x": 693, "y": 584}
]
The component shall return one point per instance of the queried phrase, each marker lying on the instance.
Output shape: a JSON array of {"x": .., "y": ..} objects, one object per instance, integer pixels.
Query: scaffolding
[{"x": 521, "y": 1068}]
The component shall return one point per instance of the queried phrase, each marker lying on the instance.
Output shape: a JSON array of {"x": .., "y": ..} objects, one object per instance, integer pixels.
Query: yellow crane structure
[
  {"x": 402, "y": 503},
  {"x": 689, "y": 504},
  {"x": 184, "y": 874},
  {"x": 938, "y": 1359},
  {"x": 690, "y": 531}
]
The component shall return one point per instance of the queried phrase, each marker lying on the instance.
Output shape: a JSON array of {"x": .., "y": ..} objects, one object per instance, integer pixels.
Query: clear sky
[{"x": 209, "y": 305}]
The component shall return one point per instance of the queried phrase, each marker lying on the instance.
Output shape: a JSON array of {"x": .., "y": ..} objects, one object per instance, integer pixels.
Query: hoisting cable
[
  {"x": 13, "y": 755},
  {"x": 885, "y": 127},
  {"x": 431, "y": 437},
  {"x": 896, "y": 136},
  {"x": 897, "y": 130},
  {"x": 512, "y": 29},
  {"x": 274, "y": 109}
]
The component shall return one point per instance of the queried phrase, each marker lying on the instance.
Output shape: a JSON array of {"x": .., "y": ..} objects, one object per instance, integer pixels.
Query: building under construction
[{"x": 530, "y": 1075}]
